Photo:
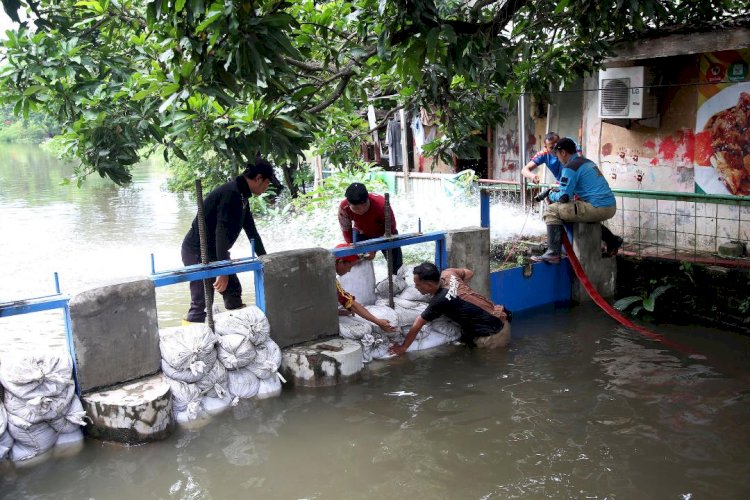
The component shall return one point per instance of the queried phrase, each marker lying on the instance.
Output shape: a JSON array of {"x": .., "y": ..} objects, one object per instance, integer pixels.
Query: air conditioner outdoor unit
[{"x": 624, "y": 93}]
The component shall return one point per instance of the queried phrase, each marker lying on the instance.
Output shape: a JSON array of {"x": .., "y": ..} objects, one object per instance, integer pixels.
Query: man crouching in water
[{"x": 483, "y": 324}]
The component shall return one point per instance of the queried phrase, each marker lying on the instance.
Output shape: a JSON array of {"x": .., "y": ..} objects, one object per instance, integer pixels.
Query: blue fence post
[
  {"x": 260, "y": 292},
  {"x": 441, "y": 254},
  {"x": 484, "y": 207}
]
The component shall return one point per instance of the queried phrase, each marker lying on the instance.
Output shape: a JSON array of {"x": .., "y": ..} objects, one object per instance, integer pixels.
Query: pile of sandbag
[
  {"x": 409, "y": 303},
  {"x": 39, "y": 408},
  {"x": 210, "y": 371}
]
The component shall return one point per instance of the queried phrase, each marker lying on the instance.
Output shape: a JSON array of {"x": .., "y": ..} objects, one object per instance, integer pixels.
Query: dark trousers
[
  {"x": 398, "y": 259},
  {"x": 232, "y": 295}
]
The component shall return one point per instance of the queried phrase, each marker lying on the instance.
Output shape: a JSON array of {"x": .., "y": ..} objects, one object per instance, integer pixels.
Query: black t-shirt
[{"x": 473, "y": 320}]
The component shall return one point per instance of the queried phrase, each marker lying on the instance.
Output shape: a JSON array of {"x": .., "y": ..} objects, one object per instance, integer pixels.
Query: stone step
[
  {"x": 322, "y": 363},
  {"x": 133, "y": 413}
]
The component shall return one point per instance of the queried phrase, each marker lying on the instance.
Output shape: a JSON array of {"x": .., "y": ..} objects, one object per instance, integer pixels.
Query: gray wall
[
  {"x": 301, "y": 302},
  {"x": 601, "y": 272},
  {"x": 470, "y": 248},
  {"x": 115, "y": 333}
]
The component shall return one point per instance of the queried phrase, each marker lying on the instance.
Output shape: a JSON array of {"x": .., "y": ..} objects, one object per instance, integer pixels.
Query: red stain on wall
[
  {"x": 650, "y": 144},
  {"x": 607, "y": 149},
  {"x": 667, "y": 148},
  {"x": 703, "y": 148}
]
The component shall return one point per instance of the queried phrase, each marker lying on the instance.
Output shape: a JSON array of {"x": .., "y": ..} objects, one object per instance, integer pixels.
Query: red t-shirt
[{"x": 371, "y": 224}]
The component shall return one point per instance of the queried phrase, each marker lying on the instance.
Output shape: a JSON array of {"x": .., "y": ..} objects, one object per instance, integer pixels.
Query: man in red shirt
[{"x": 367, "y": 212}]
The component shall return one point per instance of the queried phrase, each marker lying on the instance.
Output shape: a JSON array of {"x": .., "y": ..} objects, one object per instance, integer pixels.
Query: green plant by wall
[{"x": 639, "y": 303}]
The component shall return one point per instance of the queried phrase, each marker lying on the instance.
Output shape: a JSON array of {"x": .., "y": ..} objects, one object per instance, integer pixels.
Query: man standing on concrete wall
[
  {"x": 547, "y": 157},
  {"x": 483, "y": 324},
  {"x": 581, "y": 179},
  {"x": 227, "y": 212},
  {"x": 366, "y": 212}
]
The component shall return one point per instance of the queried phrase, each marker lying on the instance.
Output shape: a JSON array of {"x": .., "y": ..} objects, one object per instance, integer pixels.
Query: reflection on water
[{"x": 576, "y": 408}]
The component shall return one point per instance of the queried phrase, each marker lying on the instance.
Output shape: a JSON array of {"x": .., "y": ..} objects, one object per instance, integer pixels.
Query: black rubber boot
[
  {"x": 554, "y": 246},
  {"x": 612, "y": 242}
]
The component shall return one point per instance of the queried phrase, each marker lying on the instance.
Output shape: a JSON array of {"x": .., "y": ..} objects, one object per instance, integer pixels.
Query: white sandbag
[
  {"x": 407, "y": 273},
  {"x": 427, "y": 340},
  {"x": 31, "y": 374},
  {"x": 408, "y": 310},
  {"x": 235, "y": 351},
  {"x": 444, "y": 326},
  {"x": 216, "y": 405},
  {"x": 214, "y": 384},
  {"x": 381, "y": 289},
  {"x": 40, "y": 408},
  {"x": 194, "y": 371},
  {"x": 267, "y": 360},
  {"x": 249, "y": 322},
  {"x": 373, "y": 344},
  {"x": 242, "y": 383},
  {"x": 360, "y": 282},
  {"x": 73, "y": 419},
  {"x": 186, "y": 398},
  {"x": 411, "y": 293},
  {"x": 6, "y": 443},
  {"x": 354, "y": 327},
  {"x": 3, "y": 418},
  {"x": 29, "y": 440},
  {"x": 269, "y": 388},
  {"x": 386, "y": 313},
  {"x": 183, "y": 346}
]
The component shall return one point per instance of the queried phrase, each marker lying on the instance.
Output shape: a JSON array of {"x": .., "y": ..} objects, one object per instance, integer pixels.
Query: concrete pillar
[
  {"x": 470, "y": 248},
  {"x": 322, "y": 363},
  {"x": 300, "y": 288},
  {"x": 115, "y": 333},
  {"x": 134, "y": 413},
  {"x": 602, "y": 272}
]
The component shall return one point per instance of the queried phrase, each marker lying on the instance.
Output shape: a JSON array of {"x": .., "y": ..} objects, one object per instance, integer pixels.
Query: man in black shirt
[
  {"x": 227, "y": 212},
  {"x": 483, "y": 324}
]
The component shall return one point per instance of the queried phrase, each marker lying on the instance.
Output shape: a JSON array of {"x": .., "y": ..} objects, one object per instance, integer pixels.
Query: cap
[
  {"x": 265, "y": 169},
  {"x": 566, "y": 144},
  {"x": 348, "y": 258}
]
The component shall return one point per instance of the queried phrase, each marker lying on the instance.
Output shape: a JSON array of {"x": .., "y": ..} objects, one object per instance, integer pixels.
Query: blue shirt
[
  {"x": 553, "y": 164},
  {"x": 582, "y": 177}
]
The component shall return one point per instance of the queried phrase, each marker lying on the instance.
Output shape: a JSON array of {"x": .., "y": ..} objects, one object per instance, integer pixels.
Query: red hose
[{"x": 613, "y": 313}]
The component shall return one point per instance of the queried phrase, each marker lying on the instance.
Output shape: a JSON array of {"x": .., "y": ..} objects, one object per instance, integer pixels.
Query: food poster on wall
[{"x": 722, "y": 124}]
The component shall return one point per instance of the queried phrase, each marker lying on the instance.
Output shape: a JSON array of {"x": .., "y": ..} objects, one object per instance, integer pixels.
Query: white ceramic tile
[
  {"x": 728, "y": 212},
  {"x": 705, "y": 209},
  {"x": 648, "y": 236},
  {"x": 666, "y": 206},
  {"x": 745, "y": 232},
  {"x": 685, "y": 241},
  {"x": 706, "y": 244},
  {"x": 745, "y": 212},
  {"x": 705, "y": 226},
  {"x": 685, "y": 223},
  {"x": 685, "y": 207},
  {"x": 667, "y": 239},
  {"x": 666, "y": 222},
  {"x": 648, "y": 205},
  {"x": 648, "y": 220},
  {"x": 728, "y": 228},
  {"x": 630, "y": 204}
]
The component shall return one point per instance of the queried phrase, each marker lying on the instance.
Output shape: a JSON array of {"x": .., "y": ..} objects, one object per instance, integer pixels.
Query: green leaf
[{"x": 624, "y": 303}]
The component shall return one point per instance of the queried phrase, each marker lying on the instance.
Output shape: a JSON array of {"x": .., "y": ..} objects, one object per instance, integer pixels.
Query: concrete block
[
  {"x": 134, "y": 413},
  {"x": 115, "y": 333},
  {"x": 602, "y": 272},
  {"x": 300, "y": 288},
  {"x": 470, "y": 248},
  {"x": 322, "y": 363}
]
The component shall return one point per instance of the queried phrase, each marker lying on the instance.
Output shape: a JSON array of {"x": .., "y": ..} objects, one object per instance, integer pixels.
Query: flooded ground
[{"x": 577, "y": 408}]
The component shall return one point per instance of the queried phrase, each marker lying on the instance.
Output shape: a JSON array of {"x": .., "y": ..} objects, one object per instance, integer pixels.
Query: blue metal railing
[{"x": 399, "y": 240}]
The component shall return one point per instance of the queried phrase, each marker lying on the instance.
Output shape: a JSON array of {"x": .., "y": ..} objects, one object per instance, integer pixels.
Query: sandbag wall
[
  {"x": 408, "y": 305},
  {"x": 39, "y": 409},
  {"x": 210, "y": 371}
]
